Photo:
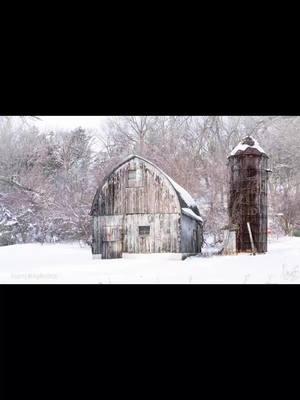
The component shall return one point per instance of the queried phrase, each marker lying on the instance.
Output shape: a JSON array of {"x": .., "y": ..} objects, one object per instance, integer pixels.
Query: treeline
[
  {"x": 46, "y": 184},
  {"x": 48, "y": 180}
]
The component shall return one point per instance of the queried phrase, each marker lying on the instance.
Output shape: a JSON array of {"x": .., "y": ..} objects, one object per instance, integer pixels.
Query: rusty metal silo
[{"x": 247, "y": 201}]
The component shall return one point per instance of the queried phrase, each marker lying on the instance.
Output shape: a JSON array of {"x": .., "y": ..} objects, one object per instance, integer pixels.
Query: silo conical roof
[{"x": 247, "y": 143}]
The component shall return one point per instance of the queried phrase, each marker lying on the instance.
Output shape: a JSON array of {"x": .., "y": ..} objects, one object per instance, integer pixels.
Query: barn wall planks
[
  {"x": 163, "y": 235},
  {"x": 155, "y": 195},
  {"x": 191, "y": 235}
]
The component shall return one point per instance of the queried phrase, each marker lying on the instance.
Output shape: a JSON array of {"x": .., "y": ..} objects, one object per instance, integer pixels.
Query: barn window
[
  {"x": 135, "y": 178},
  {"x": 132, "y": 174},
  {"x": 144, "y": 230}
]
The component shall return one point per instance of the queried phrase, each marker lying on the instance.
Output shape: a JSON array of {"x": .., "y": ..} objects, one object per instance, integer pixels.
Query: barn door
[
  {"x": 144, "y": 239},
  {"x": 112, "y": 242}
]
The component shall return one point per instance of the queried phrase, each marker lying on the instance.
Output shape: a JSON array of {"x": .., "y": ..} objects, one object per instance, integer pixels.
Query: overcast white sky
[{"x": 70, "y": 122}]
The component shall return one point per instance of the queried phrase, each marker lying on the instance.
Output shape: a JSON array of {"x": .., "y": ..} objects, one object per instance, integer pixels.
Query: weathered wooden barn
[
  {"x": 140, "y": 209},
  {"x": 248, "y": 205}
]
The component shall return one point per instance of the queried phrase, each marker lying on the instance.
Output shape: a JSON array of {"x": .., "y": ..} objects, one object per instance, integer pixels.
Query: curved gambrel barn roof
[{"x": 187, "y": 203}]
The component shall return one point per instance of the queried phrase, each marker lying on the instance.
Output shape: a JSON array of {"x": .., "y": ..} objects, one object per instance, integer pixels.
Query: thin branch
[{"x": 16, "y": 184}]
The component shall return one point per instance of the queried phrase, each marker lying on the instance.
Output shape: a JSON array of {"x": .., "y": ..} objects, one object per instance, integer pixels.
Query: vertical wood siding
[
  {"x": 149, "y": 201},
  {"x": 156, "y": 195}
]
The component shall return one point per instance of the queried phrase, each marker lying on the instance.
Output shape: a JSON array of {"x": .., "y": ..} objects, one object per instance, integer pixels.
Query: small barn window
[
  {"x": 144, "y": 230},
  {"x": 132, "y": 174},
  {"x": 134, "y": 178}
]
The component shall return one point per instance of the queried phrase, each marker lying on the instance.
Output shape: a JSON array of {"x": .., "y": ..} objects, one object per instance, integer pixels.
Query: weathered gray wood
[
  {"x": 191, "y": 235},
  {"x": 155, "y": 196},
  {"x": 150, "y": 200}
]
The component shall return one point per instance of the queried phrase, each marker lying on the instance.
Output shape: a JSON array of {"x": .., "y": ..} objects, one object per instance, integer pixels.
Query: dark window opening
[
  {"x": 132, "y": 174},
  {"x": 144, "y": 230},
  {"x": 251, "y": 172}
]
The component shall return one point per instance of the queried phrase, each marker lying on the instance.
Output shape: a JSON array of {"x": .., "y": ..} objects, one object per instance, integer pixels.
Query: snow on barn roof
[
  {"x": 185, "y": 199},
  {"x": 190, "y": 213},
  {"x": 247, "y": 142}
]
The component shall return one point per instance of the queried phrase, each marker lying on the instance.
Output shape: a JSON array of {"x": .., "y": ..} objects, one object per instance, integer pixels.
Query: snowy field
[{"x": 70, "y": 263}]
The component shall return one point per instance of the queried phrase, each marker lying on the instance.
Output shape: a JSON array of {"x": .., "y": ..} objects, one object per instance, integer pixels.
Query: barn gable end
[{"x": 142, "y": 208}]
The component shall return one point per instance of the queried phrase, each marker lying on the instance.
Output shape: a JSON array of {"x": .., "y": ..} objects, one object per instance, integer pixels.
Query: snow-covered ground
[{"x": 70, "y": 263}]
